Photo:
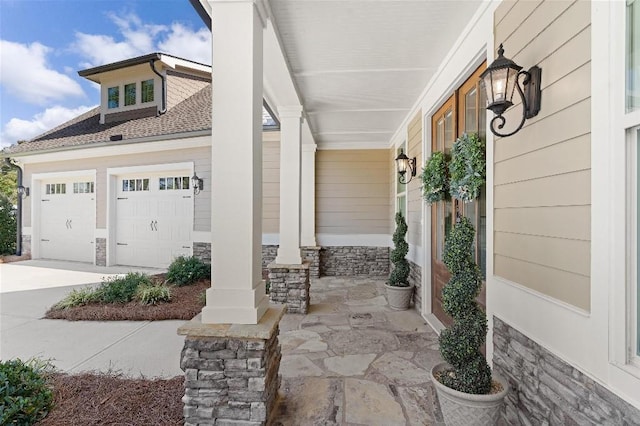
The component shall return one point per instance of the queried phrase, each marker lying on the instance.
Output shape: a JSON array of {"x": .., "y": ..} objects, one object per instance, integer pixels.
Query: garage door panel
[
  {"x": 155, "y": 224},
  {"x": 67, "y": 221}
]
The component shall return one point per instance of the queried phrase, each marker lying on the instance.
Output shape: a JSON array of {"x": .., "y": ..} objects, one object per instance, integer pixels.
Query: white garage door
[
  {"x": 67, "y": 219},
  {"x": 154, "y": 219}
]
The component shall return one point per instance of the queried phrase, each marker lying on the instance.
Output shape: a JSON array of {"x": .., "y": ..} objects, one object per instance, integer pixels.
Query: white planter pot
[
  {"x": 464, "y": 409},
  {"x": 399, "y": 298}
]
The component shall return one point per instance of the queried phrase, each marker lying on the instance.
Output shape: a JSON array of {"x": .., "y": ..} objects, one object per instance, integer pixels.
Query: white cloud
[
  {"x": 186, "y": 43},
  {"x": 136, "y": 38},
  {"x": 24, "y": 72},
  {"x": 17, "y": 129}
]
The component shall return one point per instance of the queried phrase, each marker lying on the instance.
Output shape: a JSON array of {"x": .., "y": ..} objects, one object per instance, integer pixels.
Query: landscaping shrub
[
  {"x": 399, "y": 277},
  {"x": 121, "y": 289},
  {"x": 7, "y": 226},
  {"x": 187, "y": 270},
  {"x": 25, "y": 397},
  {"x": 79, "y": 297},
  {"x": 149, "y": 294}
]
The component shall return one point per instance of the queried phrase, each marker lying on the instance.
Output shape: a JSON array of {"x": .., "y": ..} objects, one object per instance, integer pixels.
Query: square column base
[
  {"x": 290, "y": 285},
  {"x": 231, "y": 371},
  {"x": 312, "y": 254}
]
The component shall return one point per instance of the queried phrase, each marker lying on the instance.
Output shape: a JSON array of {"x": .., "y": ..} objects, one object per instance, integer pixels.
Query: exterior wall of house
[
  {"x": 542, "y": 179},
  {"x": 549, "y": 315},
  {"x": 271, "y": 183},
  {"x": 352, "y": 192},
  {"x": 181, "y": 86}
]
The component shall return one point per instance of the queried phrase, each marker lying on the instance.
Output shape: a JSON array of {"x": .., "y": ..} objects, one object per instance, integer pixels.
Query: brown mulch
[
  {"x": 108, "y": 399},
  {"x": 8, "y": 258},
  {"x": 185, "y": 304}
]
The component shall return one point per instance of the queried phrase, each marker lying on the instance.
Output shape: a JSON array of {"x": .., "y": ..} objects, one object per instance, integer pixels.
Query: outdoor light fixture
[
  {"x": 197, "y": 182},
  {"x": 405, "y": 163},
  {"x": 501, "y": 79},
  {"x": 23, "y": 192}
]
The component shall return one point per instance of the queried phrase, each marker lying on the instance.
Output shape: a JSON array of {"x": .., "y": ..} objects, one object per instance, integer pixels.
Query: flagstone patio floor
[{"x": 354, "y": 361}]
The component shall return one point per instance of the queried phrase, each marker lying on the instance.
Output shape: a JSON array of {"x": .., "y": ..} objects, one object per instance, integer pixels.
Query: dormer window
[
  {"x": 130, "y": 94},
  {"x": 146, "y": 91},
  {"x": 113, "y": 97}
]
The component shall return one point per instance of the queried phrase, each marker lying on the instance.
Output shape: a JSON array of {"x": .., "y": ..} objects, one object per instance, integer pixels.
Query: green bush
[
  {"x": 460, "y": 344},
  {"x": 399, "y": 277},
  {"x": 7, "y": 226},
  {"x": 149, "y": 294},
  {"x": 435, "y": 178},
  {"x": 79, "y": 297},
  {"x": 25, "y": 397},
  {"x": 187, "y": 270},
  {"x": 121, "y": 289}
]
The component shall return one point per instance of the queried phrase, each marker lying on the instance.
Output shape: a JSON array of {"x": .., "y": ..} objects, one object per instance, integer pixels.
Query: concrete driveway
[{"x": 135, "y": 348}]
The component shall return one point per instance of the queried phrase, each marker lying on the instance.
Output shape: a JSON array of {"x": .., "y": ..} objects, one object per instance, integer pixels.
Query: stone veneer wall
[
  {"x": 230, "y": 381},
  {"x": 311, "y": 254},
  {"x": 26, "y": 245},
  {"x": 354, "y": 260},
  {"x": 202, "y": 251},
  {"x": 289, "y": 285},
  {"x": 101, "y": 252},
  {"x": 415, "y": 278},
  {"x": 547, "y": 390}
]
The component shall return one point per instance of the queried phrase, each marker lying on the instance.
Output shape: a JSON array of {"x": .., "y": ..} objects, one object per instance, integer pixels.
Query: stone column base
[
  {"x": 289, "y": 284},
  {"x": 231, "y": 371},
  {"x": 312, "y": 254}
]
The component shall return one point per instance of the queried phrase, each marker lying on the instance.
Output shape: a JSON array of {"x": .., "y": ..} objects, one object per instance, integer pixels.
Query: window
[
  {"x": 133, "y": 185},
  {"x": 56, "y": 188},
  {"x": 146, "y": 91},
  {"x": 83, "y": 188},
  {"x": 113, "y": 96},
  {"x": 171, "y": 183},
  {"x": 130, "y": 94}
]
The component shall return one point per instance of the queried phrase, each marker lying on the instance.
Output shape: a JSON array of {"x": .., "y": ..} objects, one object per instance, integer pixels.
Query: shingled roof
[{"x": 191, "y": 115}]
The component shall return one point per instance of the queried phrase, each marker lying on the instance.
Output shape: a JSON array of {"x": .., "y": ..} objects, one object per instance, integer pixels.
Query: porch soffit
[{"x": 360, "y": 65}]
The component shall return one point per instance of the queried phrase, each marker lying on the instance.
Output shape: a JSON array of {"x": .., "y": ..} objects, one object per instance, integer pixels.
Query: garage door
[
  {"x": 67, "y": 219},
  {"x": 154, "y": 219}
]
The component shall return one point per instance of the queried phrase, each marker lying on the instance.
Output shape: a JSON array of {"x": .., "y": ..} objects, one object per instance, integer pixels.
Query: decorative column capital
[
  {"x": 309, "y": 147},
  {"x": 290, "y": 111}
]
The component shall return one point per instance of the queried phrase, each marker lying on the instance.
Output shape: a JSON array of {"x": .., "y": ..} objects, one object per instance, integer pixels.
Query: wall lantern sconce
[
  {"x": 198, "y": 183},
  {"x": 501, "y": 80},
  {"x": 405, "y": 164},
  {"x": 23, "y": 192}
]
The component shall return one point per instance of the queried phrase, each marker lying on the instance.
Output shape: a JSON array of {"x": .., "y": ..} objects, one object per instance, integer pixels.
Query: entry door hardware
[
  {"x": 69, "y": 222},
  {"x": 154, "y": 225},
  {"x": 122, "y": 244}
]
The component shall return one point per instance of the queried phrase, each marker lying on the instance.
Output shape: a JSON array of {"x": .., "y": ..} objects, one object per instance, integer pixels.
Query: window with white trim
[
  {"x": 135, "y": 185},
  {"x": 172, "y": 183},
  {"x": 56, "y": 188},
  {"x": 632, "y": 129},
  {"x": 83, "y": 188}
]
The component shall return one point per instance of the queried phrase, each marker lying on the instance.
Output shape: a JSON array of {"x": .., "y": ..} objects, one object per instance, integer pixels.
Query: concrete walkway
[
  {"x": 135, "y": 348},
  {"x": 354, "y": 361}
]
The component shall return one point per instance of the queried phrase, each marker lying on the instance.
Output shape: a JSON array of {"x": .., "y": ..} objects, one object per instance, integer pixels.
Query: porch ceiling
[{"x": 360, "y": 65}]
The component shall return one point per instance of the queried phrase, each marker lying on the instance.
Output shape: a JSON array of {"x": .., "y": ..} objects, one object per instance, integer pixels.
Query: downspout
[
  {"x": 152, "y": 63},
  {"x": 19, "y": 209}
]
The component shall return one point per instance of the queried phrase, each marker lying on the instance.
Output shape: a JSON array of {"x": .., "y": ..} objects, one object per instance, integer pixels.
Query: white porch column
[
  {"x": 308, "y": 207},
  {"x": 237, "y": 293},
  {"x": 290, "y": 142}
]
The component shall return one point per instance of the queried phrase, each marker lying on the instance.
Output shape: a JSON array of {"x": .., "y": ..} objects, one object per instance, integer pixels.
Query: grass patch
[
  {"x": 25, "y": 395},
  {"x": 187, "y": 270}
]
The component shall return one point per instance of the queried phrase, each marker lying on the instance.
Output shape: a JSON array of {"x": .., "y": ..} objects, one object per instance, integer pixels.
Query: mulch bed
[
  {"x": 108, "y": 399},
  {"x": 185, "y": 304}
]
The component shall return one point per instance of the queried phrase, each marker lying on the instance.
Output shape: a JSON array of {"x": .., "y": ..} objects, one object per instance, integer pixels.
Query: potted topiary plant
[
  {"x": 467, "y": 392},
  {"x": 399, "y": 290}
]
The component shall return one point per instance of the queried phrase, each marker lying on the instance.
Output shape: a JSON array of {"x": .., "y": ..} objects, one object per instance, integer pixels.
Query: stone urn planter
[
  {"x": 399, "y": 298},
  {"x": 465, "y": 409}
]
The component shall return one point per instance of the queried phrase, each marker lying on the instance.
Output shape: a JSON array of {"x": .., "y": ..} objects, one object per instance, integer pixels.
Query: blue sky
[{"x": 44, "y": 43}]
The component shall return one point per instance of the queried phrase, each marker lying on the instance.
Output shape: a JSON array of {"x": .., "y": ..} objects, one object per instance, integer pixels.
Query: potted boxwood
[
  {"x": 468, "y": 392},
  {"x": 399, "y": 290}
]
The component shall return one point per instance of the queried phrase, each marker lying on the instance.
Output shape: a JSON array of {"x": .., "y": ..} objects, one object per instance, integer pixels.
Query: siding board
[
  {"x": 542, "y": 176},
  {"x": 352, "y": 191}
]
